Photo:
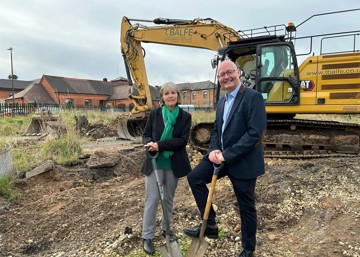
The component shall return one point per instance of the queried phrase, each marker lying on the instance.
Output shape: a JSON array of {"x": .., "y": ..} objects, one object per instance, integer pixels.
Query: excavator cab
[{"x": 269, "y": 66}]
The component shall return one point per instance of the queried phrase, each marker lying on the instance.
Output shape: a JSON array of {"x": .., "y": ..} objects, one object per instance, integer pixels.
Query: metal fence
[
  {"x": 8, "y": 110},
  {"x": 25, "y": 109},
  {"x": 6, "y": 161}
]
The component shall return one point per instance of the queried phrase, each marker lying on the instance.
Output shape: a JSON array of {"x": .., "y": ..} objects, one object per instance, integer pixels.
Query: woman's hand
[{"x": 153, "y": 147}]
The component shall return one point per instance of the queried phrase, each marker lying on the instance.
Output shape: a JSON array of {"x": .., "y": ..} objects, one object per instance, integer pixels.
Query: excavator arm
[{"x": 196, "y": 33}]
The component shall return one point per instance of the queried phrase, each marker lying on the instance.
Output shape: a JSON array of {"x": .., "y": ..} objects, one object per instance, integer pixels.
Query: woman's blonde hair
[{"x": 169, "y": 86}]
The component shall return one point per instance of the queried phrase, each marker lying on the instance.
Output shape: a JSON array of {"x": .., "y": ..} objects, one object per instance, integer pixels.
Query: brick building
[
  {"x": 199, "y": 94},
  {"x": 34, "y": 93},
  {"x": 6, "y": 87},
  {"x": 80, "y": 93}
]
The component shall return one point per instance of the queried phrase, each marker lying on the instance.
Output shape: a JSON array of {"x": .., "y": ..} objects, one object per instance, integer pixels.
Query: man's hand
[
  {"x": 220, "y": 157},
  {"x": 216, "y": 157}
]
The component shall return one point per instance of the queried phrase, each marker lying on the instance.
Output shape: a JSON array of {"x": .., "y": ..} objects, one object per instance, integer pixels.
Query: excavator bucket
[
  {"x": 41, "y": 124},
  {"x": 130, "y": 128}
]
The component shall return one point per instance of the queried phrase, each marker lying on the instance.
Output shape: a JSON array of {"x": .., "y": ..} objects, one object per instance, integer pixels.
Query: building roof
[
  {"x": 113, "y": 90},
  {"x": 80, "y": 86},
  {"x": 203, "y": 85},
  {"x": 22, "y": 93},
  {"x": 18, "y": 84},
  {"x": 35, "y": 93}
]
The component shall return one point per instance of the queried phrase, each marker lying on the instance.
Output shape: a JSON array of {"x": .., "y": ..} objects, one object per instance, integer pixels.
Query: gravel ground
[{"x": 94, "y": 208}]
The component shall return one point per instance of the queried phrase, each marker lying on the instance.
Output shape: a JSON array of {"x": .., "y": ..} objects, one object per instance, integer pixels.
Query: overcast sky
[{"x": 80, "y": 39}]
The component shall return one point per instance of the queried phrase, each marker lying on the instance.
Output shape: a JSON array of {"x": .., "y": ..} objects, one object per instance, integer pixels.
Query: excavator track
[{"x": 296, "y": 138}]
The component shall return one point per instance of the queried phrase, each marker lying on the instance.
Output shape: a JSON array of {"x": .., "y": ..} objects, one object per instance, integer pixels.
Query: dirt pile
[{"x": 94, "y": 208}]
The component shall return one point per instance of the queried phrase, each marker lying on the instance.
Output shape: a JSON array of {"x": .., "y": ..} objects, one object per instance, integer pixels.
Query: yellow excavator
[
  {"x": 327, "y": 83},
  {"x": 197, "y": 33}
]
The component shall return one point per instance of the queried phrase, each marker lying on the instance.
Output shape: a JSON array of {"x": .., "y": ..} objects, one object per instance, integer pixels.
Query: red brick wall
[
  {"x": 79, "y": 99},
  {"x": 4, "y": 93},
  {"x": 200, "y": 100},
  {"x": 50, "y": 90}
]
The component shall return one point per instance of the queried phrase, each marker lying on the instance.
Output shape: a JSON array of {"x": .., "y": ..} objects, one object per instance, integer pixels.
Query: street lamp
[{"x": 12, "y": 81}]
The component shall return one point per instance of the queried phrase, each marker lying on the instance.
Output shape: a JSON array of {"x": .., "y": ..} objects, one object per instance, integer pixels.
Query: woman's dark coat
[{"x": 153, "y": 130}]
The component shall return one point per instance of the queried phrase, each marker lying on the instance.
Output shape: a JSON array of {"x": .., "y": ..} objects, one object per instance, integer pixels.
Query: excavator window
[
  {"x": 270, "y": 69},
  {"x": 265, "y": 68},
  {"x": 277, "y": 71}
]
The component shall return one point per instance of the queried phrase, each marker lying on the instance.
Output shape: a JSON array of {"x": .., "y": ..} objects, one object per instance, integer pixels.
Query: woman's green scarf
[{"x": 163, "y": 160}]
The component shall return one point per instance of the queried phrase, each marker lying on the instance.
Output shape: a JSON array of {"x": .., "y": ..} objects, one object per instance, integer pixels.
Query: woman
[{"x": 167, "y": 132}]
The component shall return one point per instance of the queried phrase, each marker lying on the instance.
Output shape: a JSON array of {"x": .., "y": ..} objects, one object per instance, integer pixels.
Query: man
[{"x": 237, "y": 141}]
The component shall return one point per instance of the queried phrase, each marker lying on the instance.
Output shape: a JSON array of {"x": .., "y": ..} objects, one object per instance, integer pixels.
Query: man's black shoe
[
  {"x": 210, "y": 232},
  {"x": 148, "y": 246},
  {"x": 173, "y": 237},
  {"x": 246, "y": 253}
]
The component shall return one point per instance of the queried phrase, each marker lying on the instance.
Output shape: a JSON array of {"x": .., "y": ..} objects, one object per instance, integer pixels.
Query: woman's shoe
[
  {"x": 173, "y": 237},
  {"x": 148, "y": 246}
]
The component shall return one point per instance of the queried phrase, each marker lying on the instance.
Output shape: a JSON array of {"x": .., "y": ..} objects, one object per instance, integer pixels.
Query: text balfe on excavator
[{"x": 327, "y": 83}]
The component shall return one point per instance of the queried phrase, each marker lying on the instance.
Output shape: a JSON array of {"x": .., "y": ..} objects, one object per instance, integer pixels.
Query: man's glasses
[{"x": 229, "y": 72}]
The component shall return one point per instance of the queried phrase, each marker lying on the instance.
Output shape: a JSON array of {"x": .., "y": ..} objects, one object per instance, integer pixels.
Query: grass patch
[
  {"x": 63, "y": 150},
  {"x": 183, "y": 243},
  {"x": 105, "y": 118},
  {"x": 24, "y": 160},
  {"x": 11, "y": 126},
  {"x": 7, "y": 191},
  {"x": 202, "y": 116},
  {"x": 94, "y": 117}
]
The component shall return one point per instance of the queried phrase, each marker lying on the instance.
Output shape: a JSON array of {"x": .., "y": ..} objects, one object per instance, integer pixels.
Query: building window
[
  {"x": 88, "y": 104},
  {"x": 184, "y": 95},
  {"x": 205, "y": 94},
  {"x": 69, "y": 103},
  {"x": 194, "y": 95},
  {"x": 121, "y": 107}
]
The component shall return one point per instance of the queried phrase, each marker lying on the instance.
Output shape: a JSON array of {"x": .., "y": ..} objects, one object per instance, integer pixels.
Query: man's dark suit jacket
[
  {"x": 243, "y": 133},
  {"x": 153, "y": 130}
]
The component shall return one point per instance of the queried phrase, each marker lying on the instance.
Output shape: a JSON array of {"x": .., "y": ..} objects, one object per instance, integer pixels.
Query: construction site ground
[{"x": 306, "y": 207}]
